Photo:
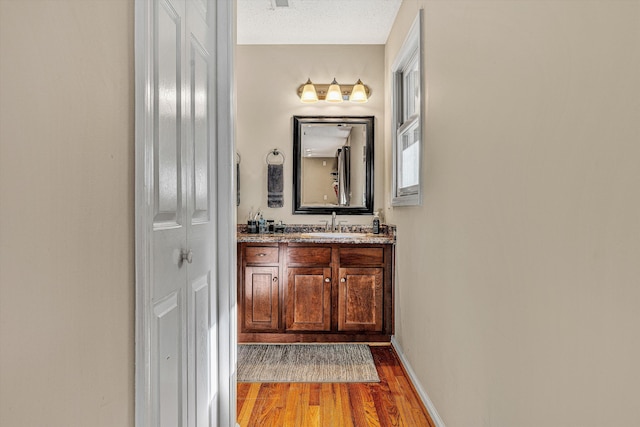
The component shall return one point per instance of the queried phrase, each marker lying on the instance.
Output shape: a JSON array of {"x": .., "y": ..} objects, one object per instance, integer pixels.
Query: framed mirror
[{"x": 333, "y": 165}]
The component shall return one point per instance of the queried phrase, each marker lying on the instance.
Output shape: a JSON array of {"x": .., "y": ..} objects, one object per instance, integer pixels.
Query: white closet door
[
  {"x": 179, "y": 297},
  {"x": 201, "y": 216},
  {"x": 169, "y": 233}
]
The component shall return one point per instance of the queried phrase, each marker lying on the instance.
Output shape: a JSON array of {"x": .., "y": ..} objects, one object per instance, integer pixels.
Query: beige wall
[
  {"x": 518, "y": 287},
  {"x": 267, "y": 78},
  {"x": 66, "y": 215},
  {"x": 517, "y": 280}
]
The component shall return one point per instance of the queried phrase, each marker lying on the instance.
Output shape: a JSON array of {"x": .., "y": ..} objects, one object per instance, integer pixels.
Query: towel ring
[{"x": 275, "y": 152}]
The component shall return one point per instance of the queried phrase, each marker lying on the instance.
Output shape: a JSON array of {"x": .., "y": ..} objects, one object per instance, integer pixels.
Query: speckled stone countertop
[{"x": 303, "y": 233}]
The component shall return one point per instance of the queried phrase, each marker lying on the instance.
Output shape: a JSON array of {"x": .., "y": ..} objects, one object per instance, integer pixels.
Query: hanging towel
[{"x": 275, "y": 184}]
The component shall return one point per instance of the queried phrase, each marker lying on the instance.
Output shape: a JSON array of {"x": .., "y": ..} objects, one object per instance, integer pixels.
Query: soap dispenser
[
  {"x": 262, "y": 225},
  {"x": 376, "y": 223}
]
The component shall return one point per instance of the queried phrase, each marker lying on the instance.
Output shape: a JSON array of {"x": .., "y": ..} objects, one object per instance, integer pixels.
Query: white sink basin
[{"x": 329, "y": 235}]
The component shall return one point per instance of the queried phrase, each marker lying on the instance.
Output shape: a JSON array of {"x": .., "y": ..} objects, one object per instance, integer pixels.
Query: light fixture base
[{"x": 322, "y": 89}]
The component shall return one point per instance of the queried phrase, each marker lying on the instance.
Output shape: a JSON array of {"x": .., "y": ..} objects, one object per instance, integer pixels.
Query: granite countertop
[{"x": 302, "y": 233}]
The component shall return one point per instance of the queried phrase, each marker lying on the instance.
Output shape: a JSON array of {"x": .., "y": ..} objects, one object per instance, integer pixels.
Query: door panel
[
  {"x": 168, "y": 138},
  {"x": 199, "y": 343},
  {"x": 261, "y": 298},
  {"x": 201, "y": 128},
  {"x": 308, "y": 299},
  {"x": 166, "y": 341},
  {"x": 360, "y": 299}
]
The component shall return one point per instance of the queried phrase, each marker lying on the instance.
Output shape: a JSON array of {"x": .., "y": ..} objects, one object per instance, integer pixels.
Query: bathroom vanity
[{"x": 308, "y": 286}]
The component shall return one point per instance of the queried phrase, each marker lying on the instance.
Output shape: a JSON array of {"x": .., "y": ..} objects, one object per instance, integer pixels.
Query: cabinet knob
[
  {"x": 275, "y": 279},
  {"x": 327, "y": 279},
  {"x": 344, "y": 279},
  {"x": 262, "y": 254}
]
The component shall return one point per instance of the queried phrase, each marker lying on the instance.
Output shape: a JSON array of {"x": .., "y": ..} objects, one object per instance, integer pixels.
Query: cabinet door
[
  {"x": 261, "y": 298},
  {"x": 360, "y": 299},
  {"x": 308, "y": 299}
]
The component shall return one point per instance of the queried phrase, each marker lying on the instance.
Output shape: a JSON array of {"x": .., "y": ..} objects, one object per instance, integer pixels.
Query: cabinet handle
[
  {"x": 185, "y": 255},
  {"x": 275, "y": 279},
  {"x": 344, "y": 279},
  {"x": 327, "y": 279},
  {"x": 262, "y": 254}
]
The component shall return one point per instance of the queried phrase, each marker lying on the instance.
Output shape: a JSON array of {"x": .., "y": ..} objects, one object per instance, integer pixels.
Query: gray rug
[{"x": 306, "y": 363}]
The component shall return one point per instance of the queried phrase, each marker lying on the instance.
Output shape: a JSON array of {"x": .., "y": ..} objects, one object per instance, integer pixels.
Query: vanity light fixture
[
  {"x": 309, "y": 93},
  {"x": 358, "y": 94},
  {"x": 334, "y": 92}
]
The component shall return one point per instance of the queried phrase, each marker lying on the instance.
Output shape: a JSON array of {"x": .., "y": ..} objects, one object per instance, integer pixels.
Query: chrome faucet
[{"x": 333, "y": 221}]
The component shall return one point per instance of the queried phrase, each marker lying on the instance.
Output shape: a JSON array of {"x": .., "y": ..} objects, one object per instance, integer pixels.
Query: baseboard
[{"x": 412, "y": 375}]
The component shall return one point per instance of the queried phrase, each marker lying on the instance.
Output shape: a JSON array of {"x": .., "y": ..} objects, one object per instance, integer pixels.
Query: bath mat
[{"x": 307, "y": 363}]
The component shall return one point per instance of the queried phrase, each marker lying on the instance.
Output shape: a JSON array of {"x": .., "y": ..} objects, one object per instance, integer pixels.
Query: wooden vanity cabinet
[
  {"x": 261, "y": 303},
  {"x": 328, "y": 292},
  {"x": 260, "y": 281},
  {"x": 308, "y": 299},
  {"x": 360, "y": 299},
  {"x": 361, "y": 288},
  {"x": 307, "y": 293}
]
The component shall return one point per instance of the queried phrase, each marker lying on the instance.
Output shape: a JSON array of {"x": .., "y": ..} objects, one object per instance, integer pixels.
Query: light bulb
[
  {"x": 334, "y": 94},
  {"x": 309, "y": 94},
  {"x": 358, "y": 94}
]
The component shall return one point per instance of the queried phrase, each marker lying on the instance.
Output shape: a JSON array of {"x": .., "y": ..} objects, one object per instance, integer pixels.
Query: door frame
[
  {"x": 225, "y": 284},
  {"x": 227, "y": 217}
]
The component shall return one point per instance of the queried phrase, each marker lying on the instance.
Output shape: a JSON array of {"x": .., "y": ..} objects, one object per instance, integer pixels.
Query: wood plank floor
[{"x": 391, "y": 402}]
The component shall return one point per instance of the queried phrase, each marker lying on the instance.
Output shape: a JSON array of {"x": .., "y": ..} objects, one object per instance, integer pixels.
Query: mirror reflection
[{"x": 333, "y": 162}]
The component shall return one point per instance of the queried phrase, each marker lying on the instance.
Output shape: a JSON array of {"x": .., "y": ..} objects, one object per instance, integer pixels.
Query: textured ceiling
[{"x": 315, "y": 21}]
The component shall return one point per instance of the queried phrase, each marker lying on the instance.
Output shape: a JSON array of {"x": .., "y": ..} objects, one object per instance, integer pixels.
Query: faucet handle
[
  {"x": 326, "y": 224},
  {"x": 340, "y": 223}
]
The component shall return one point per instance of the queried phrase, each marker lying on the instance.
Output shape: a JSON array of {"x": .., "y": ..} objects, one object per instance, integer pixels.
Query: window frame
[{"x": 412, "y": 47}]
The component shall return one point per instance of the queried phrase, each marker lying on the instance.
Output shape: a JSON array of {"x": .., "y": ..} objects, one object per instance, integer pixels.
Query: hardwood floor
[{"x": 391, "y": 402}]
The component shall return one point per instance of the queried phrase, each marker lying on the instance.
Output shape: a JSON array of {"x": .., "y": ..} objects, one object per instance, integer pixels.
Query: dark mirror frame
[{"x": 298, "y": 122}]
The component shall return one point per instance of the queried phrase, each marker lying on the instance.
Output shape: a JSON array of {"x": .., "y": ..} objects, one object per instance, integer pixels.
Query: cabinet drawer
[
  {"x": 261, "y": 254},
  {"x": 309, "y": 255},
  {"x": 361, "y": 256}
]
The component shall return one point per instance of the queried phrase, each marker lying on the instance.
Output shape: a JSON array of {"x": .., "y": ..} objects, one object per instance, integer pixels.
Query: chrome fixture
[{"x": 336, "y": 226}]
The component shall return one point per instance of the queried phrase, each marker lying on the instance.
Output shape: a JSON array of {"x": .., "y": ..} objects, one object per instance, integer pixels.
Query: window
[{"x": 407, "y": 119}]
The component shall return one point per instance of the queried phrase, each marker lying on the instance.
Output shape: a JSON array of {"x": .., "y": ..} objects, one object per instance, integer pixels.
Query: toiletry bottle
[
  {"x": 376, "y": 224},
  {"x": 262, "y": 225},
  {"x": 252, "y": 225}
]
